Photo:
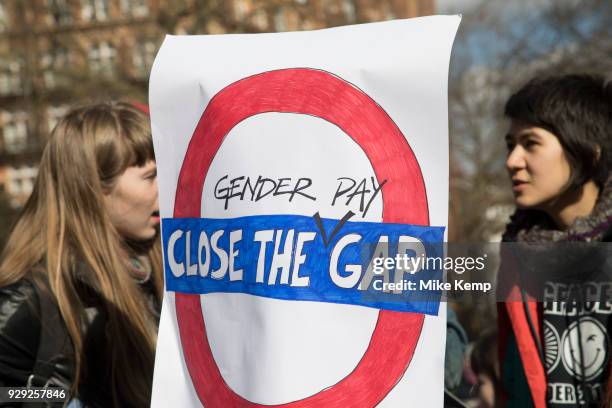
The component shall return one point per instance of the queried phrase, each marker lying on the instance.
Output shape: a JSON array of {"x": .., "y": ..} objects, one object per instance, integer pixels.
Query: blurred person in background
[
  {"x": 484, "y": 364},
  {"x": 554, "y": 354},
  {"x": 454, "y": 356},
  {"x": 456, "y": 342},
  {"x": 80, "y": 277}
]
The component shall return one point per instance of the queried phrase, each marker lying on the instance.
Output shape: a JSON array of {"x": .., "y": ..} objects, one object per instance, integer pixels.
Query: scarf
[{"x": 533, "y": 226}]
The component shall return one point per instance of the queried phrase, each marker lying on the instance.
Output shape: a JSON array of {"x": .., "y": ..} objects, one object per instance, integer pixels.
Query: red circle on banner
[{"x": 321, "y": 94}]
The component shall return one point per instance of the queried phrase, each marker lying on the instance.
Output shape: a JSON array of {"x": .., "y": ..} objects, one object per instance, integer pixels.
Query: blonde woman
[{"x": 80, "y": 277}]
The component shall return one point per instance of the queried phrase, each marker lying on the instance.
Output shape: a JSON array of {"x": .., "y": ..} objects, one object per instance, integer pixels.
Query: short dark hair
[{"x": 578, "y": 110}]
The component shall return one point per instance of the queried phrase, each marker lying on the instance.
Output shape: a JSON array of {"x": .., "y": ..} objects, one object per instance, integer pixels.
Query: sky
[
  {"x": 491, "y": 27},
  {"x": 511, "y": 6},
  {"x": 455, "y": 6}
]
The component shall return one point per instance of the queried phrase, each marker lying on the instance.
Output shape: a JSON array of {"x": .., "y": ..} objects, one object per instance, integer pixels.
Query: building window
[
  {"x": 54, "y": 114},
  {"x": 10, "y": 77},
  {"x": 260, "y": 19},
  {"x": 20, "y": 181},
  {"x": 94, "y": 10},
  {"x": 55, "y": 65},
  {"x": 15, "y": 131},
  {"x": 3, "y": 17},
  {"x": 348, "y": 6},
  {"x": 280, "y": 20},
  {"x": 144, "y": 54},
  {"x": 59, "y": 12},
  {"x": 102, "y": 59},
  {"x": 135, "y": 8},
  {"x": 389, "y": 14}
]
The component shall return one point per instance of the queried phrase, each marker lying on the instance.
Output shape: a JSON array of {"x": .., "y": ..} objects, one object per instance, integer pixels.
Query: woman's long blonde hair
[{"x": 64, "y": 223}]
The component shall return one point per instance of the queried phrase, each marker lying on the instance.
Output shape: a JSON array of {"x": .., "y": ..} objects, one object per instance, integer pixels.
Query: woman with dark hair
[
  {"x": 80, "y": 277},
  {"x": 556, "y": 353}
]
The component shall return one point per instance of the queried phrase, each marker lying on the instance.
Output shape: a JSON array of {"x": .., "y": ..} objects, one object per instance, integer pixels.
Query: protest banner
[{"x": 287, "y": 163}]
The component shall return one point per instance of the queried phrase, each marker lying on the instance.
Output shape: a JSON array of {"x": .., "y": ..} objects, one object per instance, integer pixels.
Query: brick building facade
[{"x": 56, "y": 52}]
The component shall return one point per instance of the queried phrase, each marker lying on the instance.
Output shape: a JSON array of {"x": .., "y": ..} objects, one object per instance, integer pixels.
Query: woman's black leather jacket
[{"x": 31, "y": 326}]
